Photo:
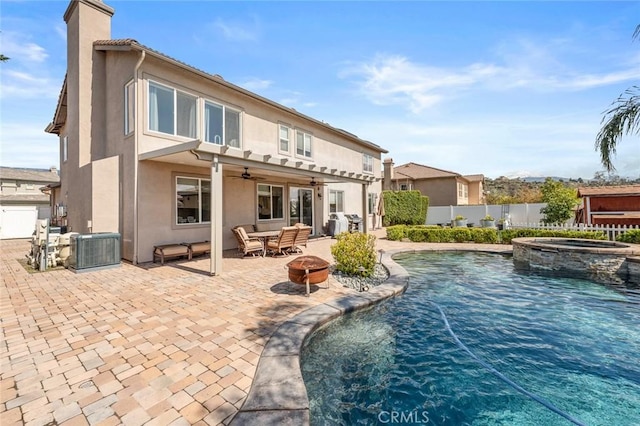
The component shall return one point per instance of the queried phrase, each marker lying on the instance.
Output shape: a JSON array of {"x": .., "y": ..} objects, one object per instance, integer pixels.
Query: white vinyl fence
[
  {"x": 610, "y": 231},
  {"x": 514, "y": 213},
  {"x": 516, "y": 216}
]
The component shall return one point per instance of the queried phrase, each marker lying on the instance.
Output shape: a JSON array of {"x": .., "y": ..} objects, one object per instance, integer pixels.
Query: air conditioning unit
[{"x": 89, "y": 251}]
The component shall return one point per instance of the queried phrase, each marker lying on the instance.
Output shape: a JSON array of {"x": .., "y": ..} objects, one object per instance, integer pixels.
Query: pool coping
[{"x": 278, "y": 395}]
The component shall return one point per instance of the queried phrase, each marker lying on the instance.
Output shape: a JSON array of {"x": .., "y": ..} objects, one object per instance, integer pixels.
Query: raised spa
[{"x": 601, "y": 261}]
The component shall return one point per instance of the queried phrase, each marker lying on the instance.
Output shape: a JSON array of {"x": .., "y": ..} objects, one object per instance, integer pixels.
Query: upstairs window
[
  {"x": 129, "y": 107},
  {"x": 367, "y": 163},
  {"x": 221, "y": 125},
  {"x": 283, "y": 142},
  {"x": 171, "y": 111},
  {"x": 303, "y": 144},
  {"x": 65, "y": 148}
]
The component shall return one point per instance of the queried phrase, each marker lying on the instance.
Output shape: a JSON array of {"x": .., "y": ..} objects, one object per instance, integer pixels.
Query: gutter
[{"x": 136, "y": 121}]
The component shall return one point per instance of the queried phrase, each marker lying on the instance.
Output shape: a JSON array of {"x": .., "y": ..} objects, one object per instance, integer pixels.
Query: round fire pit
[{"x": 308, "y": 270}]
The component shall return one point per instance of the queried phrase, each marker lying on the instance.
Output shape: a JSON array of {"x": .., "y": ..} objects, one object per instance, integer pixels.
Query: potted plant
[
  {"x": 460, "y": 220},
  {"x": 501, "y": 224},
  {"x": 488, "y": 222}
]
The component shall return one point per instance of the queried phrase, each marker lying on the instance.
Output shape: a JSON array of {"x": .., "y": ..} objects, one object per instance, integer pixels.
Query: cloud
[
  {"x": 236, "y": 31},
  {"x": 18, "y": 49},
  {"x": 393, "y": 79},
  {"x": 25, "y": 85},
  {"x": 519, "y": 64},
  {"x": 255, "y": 84}
]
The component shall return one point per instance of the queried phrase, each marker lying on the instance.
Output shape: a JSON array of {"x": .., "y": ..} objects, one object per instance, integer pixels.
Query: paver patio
[{"x": 146, "y": 344}]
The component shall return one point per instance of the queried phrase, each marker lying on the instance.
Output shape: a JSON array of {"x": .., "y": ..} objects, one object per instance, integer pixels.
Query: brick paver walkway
[{"x": 148, "y": 344}]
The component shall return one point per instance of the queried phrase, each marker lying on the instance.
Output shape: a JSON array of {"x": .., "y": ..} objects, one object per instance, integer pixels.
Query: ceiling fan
[
  {"x": 314, "y": 183},
  {"x": 246, "y": 175}
]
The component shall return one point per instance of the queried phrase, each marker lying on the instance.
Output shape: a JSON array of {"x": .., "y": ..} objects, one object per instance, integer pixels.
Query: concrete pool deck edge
[{"x": 278, "y": 395}]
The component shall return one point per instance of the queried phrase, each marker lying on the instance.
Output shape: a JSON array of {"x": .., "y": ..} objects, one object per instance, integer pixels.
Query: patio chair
[
  {"x": 284, "y": 242},
  {"x": 247, "y": 245},
  {"x": 248, "y": 228},
  {"x": 302, "y": 237}
]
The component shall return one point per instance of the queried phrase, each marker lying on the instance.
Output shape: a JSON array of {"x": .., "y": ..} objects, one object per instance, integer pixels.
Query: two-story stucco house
[
  {"x": 162, "y": 152},
  {"x": 443, "y": 187},
  {"x": 22, "y": 201}
]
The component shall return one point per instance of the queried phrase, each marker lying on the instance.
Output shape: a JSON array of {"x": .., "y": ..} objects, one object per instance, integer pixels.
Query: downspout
[{"x": 135, "y": 156}]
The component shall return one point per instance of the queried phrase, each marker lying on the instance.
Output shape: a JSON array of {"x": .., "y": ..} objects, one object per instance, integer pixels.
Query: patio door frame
[{"x": 303, "y": 211}]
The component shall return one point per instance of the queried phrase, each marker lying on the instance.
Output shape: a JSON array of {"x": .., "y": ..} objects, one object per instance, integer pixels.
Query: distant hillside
[{"x": 504, "y": 190}]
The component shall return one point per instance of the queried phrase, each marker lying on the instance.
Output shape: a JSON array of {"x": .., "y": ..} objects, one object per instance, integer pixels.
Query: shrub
[
  {"x": 435, "y": 234},
  {"x": 484, "y": 235},
  {"x": 631, "y": 236},
  {"x": 397, "y": 232},
  {"x": 509, "y": 234},
  {"x": 354, "y": 250}
]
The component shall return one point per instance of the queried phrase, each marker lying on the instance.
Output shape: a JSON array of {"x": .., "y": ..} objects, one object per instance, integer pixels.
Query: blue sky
[{"x": 499, "y": 88}]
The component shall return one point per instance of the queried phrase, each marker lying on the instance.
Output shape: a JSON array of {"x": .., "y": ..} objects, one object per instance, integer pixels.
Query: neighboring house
[
  {"x": 162, "y": 152},
  {"x": 444, "y": 188},
  {"x": 609, "y": 205},
  {"x": 22, "y": 201}
]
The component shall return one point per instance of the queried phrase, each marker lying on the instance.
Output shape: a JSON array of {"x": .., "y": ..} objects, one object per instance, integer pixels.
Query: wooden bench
[
  {"x": 200, "y": 247},
  {"x": 170, "y": 251}
]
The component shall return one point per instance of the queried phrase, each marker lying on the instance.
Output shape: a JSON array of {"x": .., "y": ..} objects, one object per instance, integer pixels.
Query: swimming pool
[{"x": 571, "y": 343}]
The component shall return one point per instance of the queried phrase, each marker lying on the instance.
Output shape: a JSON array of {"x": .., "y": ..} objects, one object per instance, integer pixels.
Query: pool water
[{"x": 571, "y": 343}]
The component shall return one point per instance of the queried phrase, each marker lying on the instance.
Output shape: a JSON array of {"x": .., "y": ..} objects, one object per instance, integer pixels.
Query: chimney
[
  {"x": 87, "y": 21},
  {"x": 387, "y": 176}
]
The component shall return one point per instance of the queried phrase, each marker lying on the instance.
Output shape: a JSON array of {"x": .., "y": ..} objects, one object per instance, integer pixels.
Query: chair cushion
[{"x": 243, "y": 234}]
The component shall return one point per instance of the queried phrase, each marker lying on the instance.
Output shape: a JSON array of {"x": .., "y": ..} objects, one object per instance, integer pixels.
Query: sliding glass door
[{"x": 301, "y": 206}]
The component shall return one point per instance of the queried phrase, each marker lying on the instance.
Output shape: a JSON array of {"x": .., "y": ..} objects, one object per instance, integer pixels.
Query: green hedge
[
  {"x": 631, "y": 236},
  {"x": 404, "y": 208},
  {"x": 436, "y": 234},
  {"x": 509, "y": 234}
]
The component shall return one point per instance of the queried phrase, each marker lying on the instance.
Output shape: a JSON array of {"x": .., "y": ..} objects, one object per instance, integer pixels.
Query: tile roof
[
  {"x": 419, "y": 171},
  {"x": 609, "y": 190},
  {"x": 29, "y": 175},
  {"x": 474, "y": 178}
]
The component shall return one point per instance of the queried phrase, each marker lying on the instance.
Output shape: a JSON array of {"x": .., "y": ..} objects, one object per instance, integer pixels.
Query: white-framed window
[
  {"x": 372, "y": 197},
  {"x": 404, "y": 187},
  {"x": 336, "y": 201},
  {"x": 270, "y": 202},
  {"x": 303, "y": 144},
  {"x": 221, "y": 125},
  {"x": 284, "y": 133},
  {"x": 193, "y": 200},
  {"x": 129, "y": 107},
  {"x": 460, "y": 190},
  {"x": 466, "y": 191},
  {"x": 367, "y": 163},
  {"x": 65, "y": 148},
  {"x": 171, "y": 111}
]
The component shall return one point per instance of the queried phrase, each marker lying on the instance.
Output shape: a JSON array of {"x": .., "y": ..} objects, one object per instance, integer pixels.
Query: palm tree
[{"x": 623, "y": 118}]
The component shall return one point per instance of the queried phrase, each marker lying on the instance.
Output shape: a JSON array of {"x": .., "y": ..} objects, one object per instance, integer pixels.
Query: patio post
[
  {"x": 215, "y": 267},
  {"x": 365, "y": 215}
]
